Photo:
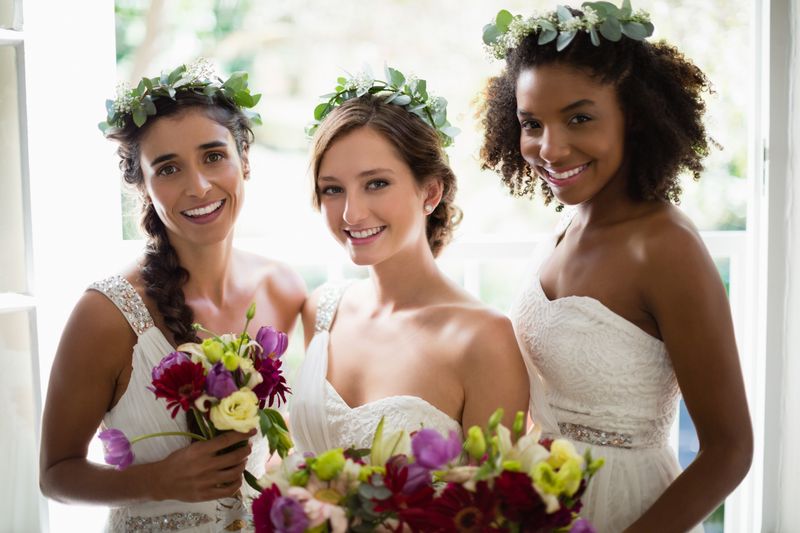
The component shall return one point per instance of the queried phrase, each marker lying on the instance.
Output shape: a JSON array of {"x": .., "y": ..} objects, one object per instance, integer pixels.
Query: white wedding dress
[
  {"x": 140, "y": 412},
  {"x": 608, "y": 385},
  {"x": 322, "y": 420}
]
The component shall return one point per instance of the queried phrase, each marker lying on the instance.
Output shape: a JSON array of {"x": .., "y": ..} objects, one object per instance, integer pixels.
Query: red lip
[
  {"x": 207, "y": 218},
  {"x": 558, "y": 183}
]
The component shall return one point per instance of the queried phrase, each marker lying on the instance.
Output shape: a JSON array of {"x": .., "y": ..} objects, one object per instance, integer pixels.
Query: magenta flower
[
  {"x": 219, "y": 382},
  {"x": 180, "y": 384},
  {"x": 432, "y": 450},
  {"x": 582, "y": 526},
  {"x": 273, "y": 388},
  {"x": 169, "y": 360},
  {"x": 262, "y": 508},
  {"x": 116, "y": 448},
  {"x": 272, "y": 341},
  {"x": 288, "y": 516}
]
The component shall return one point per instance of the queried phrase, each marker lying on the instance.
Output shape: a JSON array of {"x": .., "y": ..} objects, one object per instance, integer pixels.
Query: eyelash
[
  {"x": 218, "y": 156},
  {"x": 374, "y": 185},
  {"x": 575, "y": 120}
]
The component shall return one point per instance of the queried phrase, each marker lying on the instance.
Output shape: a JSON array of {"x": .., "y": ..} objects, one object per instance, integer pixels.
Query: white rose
[{"x": 238, "y": 412}]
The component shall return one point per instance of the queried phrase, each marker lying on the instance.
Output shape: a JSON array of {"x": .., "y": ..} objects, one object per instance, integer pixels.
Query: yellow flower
[
  {"x": 238, "y": 411},
  {"x": 230, "y": 360},
  {"x": 475, "y": 444},
  {"x": 327, "y": 465},
  {"x": 213, "y": 350},
  {"x": 570, "y": 475},
  {"x": 560, "y": 451}
]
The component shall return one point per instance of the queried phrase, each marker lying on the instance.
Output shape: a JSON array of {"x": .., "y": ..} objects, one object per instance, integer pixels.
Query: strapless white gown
[
  {"x": 139, "y": 412},
  {"x": 607, "y": 385},
  {"x": 320, "y": 419}
]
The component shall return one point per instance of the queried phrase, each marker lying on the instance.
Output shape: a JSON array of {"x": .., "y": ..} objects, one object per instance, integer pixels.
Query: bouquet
[
  {"x": 430, "y": 483},
  {"x": 226, "y": 382}
]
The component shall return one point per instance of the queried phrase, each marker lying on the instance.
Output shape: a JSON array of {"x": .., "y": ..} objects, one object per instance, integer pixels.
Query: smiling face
[
  {"x": 193, "y": 175},
  {"x": 572, "y": 131},
  {"x": 370, "y": 199}
]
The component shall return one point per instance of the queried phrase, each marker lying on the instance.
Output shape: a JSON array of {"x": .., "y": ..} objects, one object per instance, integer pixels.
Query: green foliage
[
  {"x": 407, "y": 92},
  {"x": 137, "y": 103}
]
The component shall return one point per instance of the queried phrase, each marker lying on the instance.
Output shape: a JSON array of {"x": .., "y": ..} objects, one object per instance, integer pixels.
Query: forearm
[
  {"x": 81, "y": 481},
  {"x": 695, "y": 494}
]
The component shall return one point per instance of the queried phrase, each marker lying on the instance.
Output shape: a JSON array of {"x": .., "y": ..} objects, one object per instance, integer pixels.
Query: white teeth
[
  {"x": 567, "y": 174},
  {"x": 364, "y": 233},
  {"x": 200, "y": 211}
]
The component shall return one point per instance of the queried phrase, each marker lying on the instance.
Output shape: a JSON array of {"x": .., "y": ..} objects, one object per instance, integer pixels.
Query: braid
[{"x": 164, "y": 278}]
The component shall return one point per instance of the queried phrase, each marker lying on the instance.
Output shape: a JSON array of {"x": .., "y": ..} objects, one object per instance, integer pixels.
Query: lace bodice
[
  {"x": 138, "y": 412},
  {"x": 600, "y": 370},
  {"x": 322, "y": 420}
]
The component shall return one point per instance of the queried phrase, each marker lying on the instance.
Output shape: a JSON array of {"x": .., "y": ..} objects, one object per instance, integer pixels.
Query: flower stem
[
  {"x": 201, "y": 423},
  {"x": 194, "y": 436}
]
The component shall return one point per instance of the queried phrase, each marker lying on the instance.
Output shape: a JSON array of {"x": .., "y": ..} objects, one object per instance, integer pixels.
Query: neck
[
  {"x": 611, "y": 204},
  {"x": 210, "y": 269},
  {"x": 406, "y": 279}
]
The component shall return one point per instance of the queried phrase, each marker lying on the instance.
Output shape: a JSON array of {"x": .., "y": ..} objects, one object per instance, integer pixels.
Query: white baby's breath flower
[
  {"x": 123, "y": 99},
  {"x": 591, "y": 16},
  {"x": 641, "y": 16},
  {"x": 573, "y": 24},
  {"x": 200, "y": 69}
]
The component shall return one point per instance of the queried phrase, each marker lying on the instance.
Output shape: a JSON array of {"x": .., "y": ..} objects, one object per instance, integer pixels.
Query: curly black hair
[{"x": 661, "y": 95}]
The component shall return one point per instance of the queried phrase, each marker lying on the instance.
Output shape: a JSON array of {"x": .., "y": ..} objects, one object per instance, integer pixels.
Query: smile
[
  {"x": 204, "y": 210},
  {"x": 567, "y": 173},
  {"x": 364, "y": 233}
]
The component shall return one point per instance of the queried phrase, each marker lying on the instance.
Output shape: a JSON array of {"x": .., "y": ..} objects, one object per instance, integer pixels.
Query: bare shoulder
[
  {"x": 281, "y": 281},
  {"x": 671, "y": 242}
]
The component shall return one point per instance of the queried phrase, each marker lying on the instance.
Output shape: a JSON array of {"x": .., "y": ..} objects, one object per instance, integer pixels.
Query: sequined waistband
[
  {"x": 165, "y": 522},
  {"x": 594, "y": 436}
]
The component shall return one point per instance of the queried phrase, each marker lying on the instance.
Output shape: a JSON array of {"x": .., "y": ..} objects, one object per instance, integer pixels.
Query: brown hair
[
  {"x": 659, "y": 90},
  {"x": 415, "y": 141},
  {"x": 163, "y": 275}
]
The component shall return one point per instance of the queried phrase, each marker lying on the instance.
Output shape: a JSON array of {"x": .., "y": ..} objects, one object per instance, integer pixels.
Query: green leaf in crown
[
  {"x": 138, "y": 103},
  {"x": 408, "y": 92}
]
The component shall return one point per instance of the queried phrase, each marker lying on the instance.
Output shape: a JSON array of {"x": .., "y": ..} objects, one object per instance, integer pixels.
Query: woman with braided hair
[
  {"x": 407, "y": 345},
  {"x": 625, "y": 310},
  {"x": 184, "y": 146}
]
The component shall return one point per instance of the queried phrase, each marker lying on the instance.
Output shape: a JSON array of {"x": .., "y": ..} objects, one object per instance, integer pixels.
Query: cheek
[{"x": 528, "y": 148}]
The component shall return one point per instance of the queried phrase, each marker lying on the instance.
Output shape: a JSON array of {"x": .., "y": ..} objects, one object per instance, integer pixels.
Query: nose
[
  {"x": 198, "y": 184},
  {"x": 554, "y": 145},
  {"x": 355, "y": 209}
]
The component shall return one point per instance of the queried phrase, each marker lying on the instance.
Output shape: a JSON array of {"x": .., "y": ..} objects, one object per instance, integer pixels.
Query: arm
[
  {"x": 94, "y": 351},
  {"x": 309, "y": 315},
  {"x": 494, "y": 373},
  {"x": 688, "y": 301}
]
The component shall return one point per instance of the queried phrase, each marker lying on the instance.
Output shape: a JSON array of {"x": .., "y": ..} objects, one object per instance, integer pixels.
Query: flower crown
[
  {"x": 598, "y": 19},
  {"x": 408, "y": 92},
  {"x": 198, "y": 77}
]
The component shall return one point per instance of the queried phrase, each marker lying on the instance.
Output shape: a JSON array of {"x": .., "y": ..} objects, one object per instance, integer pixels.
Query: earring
[{"x": 428, "y": 209}]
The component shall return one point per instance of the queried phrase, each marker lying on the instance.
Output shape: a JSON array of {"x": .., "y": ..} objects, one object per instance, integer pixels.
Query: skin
[
  {"x": 646, "y": 262},
  {"x": 93, "y": 363},
  {"x": 448, "y": 349}
]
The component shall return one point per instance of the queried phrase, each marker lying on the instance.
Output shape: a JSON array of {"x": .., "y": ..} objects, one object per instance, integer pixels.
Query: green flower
[
  {"x": 230, "y": 360},
  {"x": 213, "y": 349},
  {"x": 327, "y": 465},
  {"x": 475, "y": 445}
]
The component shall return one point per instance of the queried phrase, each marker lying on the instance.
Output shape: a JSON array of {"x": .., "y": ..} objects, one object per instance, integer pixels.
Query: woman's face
[
  {"x": 193, "y": 175},
  {"x": 572, "y": 130},
  {"x": 370, "y": 198}
]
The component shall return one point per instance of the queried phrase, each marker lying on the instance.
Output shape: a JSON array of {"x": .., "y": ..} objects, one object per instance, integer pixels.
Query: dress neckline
[{"x": 385, "y": 399}]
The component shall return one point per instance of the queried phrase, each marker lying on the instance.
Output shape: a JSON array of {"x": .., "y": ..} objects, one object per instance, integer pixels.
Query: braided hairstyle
[
  {"x": 415, "y": 141},
  {"x": 162, "y": 273},
  {"x": 659, "y": 90}
]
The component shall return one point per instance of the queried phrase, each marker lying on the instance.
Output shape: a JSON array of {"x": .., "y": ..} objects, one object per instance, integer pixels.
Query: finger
[{"x": 229, "y": 459}]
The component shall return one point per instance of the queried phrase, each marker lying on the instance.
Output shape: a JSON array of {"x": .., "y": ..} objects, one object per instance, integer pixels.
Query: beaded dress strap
[
  {"x": 328, "y": 303},
  {"x": 121, "y": 292}
]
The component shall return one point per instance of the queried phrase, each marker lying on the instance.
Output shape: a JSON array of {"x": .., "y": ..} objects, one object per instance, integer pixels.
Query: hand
[{"x": 199, "y": 473}]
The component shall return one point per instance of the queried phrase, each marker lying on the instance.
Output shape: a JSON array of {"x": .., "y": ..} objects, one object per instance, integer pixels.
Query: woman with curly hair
[
  {"x": 184, "y": 146},
  {"x": 625, "y": 311},
  {"x": 407, "y": 344}
]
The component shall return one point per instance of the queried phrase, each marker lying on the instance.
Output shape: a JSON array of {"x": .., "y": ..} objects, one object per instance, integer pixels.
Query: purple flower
[
  {"x": 418, "y": 477},
  {"x": 116, "y": 448},
  {"x": 287, "y": 516},
  {"x": 433, "y": 451},
  {"x": 219, "y": 382},
  {"x": 171, "y": 359},
  {"x": 582, "y": 526},
  {"x": 272, "y": 341}
]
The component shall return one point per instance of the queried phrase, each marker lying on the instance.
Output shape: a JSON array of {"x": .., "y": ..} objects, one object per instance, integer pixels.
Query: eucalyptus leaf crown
[
  {"x": 599, "y": 19},
  {"x": 138, "y": 103},
  {"x": 409, "y": 92}
]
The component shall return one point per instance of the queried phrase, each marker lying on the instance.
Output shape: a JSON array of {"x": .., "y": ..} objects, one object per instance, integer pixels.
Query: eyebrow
[
  {"x": 569, "y": 107},
  {"x": 364, "y": 174},
  {"x": 204, "y": 146}
]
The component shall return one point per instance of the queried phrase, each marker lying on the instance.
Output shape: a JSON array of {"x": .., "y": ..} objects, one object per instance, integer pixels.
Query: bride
[{"x": 407, "y": 343}]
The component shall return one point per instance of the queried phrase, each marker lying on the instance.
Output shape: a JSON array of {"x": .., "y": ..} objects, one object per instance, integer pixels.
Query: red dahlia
[{"x": 180, "y": 385}]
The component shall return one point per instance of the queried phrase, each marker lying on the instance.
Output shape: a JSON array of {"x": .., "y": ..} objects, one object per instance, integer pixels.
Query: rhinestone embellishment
[
  {"x": 125, "y": 297},
  {"x": 326, "y": 309},
  {"x": 165, "y": 522},
  {"x": 595, "y": 436}
]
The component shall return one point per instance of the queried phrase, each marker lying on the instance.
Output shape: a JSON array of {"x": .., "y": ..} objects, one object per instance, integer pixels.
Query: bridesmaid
[
  {"x": 189, "y": 161},
  {"x": 626, "y": 309}
]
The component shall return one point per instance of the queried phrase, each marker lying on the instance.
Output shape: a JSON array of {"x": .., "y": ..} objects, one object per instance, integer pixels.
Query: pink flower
[{"x": 272, "y": 341}]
